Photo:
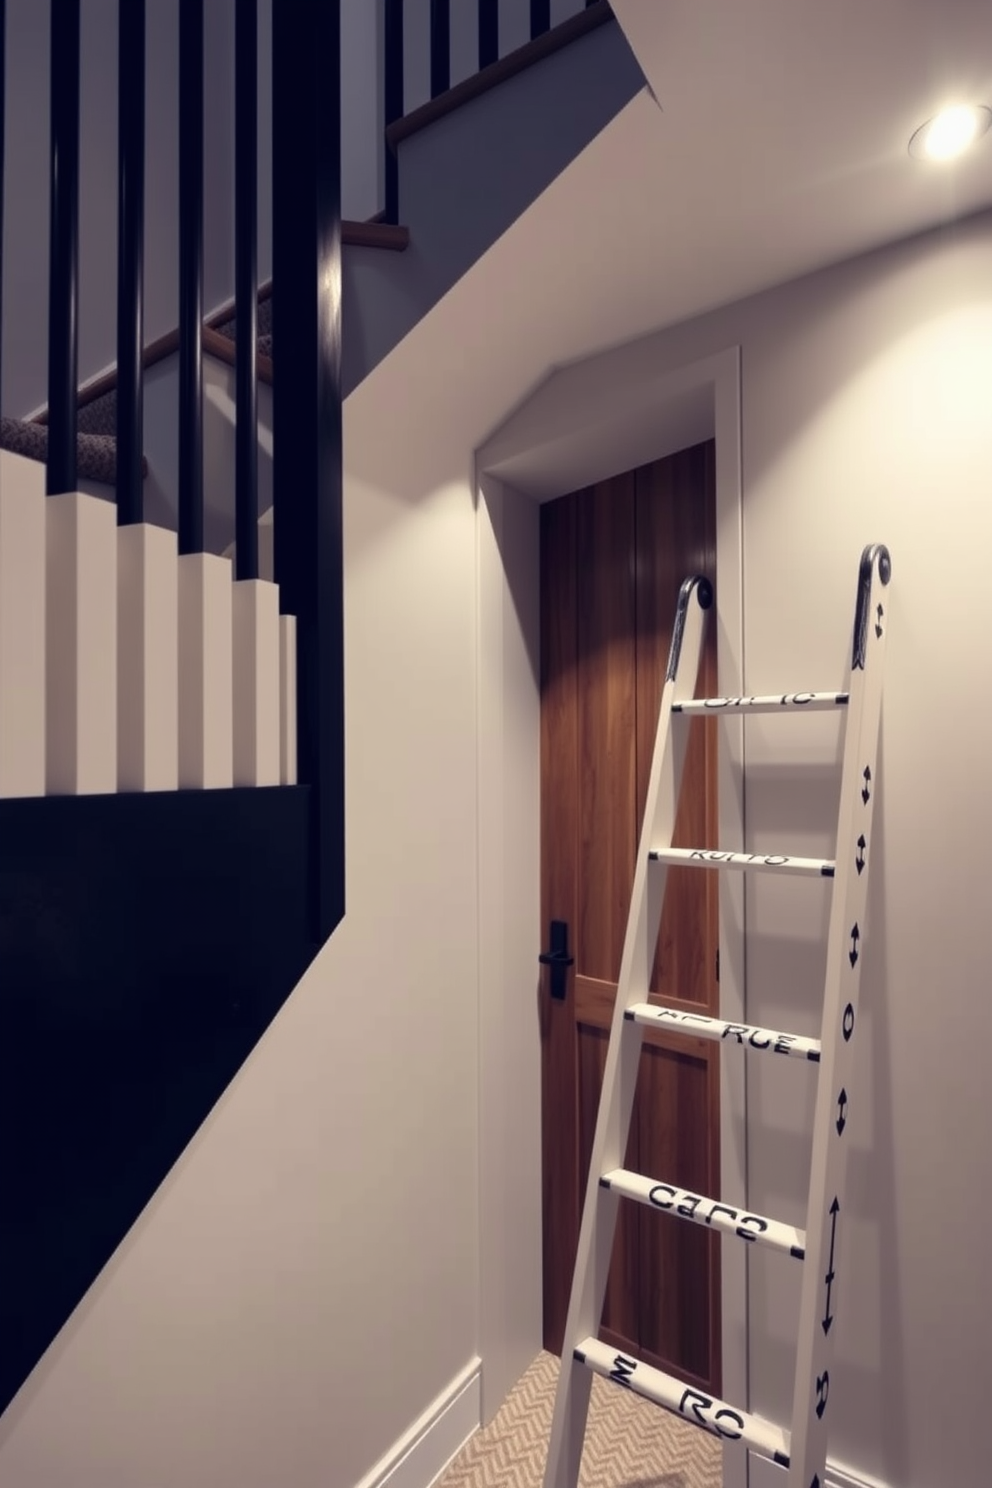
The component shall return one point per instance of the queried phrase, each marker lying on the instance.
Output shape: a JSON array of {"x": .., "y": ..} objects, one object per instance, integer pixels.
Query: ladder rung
[
  {"x": 704, "y": 857},
  {"x": 805, "y": 702},
  {"x": 765, "y": 1040},
  {"x": 702, "y": 1211},
  {"x": 712, "y": 1414}
]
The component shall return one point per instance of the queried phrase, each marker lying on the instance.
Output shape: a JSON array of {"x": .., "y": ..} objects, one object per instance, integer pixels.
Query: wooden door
[{"x": 613, "y": 557}]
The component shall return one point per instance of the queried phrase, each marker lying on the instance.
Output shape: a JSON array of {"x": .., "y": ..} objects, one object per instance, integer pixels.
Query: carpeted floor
[{"x": 630, "y": 1443}]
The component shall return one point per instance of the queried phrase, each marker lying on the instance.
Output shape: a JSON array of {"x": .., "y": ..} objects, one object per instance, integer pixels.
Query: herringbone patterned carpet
[{"x": 629, "y": 1442}]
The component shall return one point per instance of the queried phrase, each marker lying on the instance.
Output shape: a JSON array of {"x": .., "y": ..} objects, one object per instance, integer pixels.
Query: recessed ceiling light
[{"x": 950, "y": 132}]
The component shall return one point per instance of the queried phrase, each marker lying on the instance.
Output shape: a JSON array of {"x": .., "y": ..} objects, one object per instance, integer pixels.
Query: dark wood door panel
[
  {"x": 613, "y": 558},
  {"x": 679, "y": 1324},
  {"x": 676, "y": 536},
  {"x": 621, "y": 1308},
  {"x": 607, "y": 699}
]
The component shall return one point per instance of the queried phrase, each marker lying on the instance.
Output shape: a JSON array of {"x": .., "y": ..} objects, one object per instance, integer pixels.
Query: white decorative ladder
[{"x": 802, "y": 1450}]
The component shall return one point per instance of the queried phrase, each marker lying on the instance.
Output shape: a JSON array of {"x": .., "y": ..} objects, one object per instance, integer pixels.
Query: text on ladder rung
[
  {"x": 741, "y": 1033},
  {"x": 711, "y": 1414}
]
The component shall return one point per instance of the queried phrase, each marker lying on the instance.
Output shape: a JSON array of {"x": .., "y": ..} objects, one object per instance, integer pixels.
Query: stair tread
[
  {"x": 705, "y": 1411},
  {"x": 719, "y": 1030},
  {"x": 706, "y": 857},
  {"x": 698, "y": 1209},
  {"x": 96, "y": 453}
]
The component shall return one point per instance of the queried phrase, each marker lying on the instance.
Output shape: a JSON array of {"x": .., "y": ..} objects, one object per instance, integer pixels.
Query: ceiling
[
  {"x": 772, "y": 141},
  {"x": 779, "y": 143}
]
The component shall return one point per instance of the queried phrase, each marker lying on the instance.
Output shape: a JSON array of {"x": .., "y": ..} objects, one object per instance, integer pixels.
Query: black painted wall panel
[{"x": 146, "y": 943}]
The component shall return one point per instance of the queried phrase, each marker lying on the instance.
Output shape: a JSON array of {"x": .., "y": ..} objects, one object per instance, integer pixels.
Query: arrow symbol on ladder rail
[
  {"x": 853, "y": 952},
  {"x": 878, "y": 622},
  {"x": 859, "y": 861},
  {"x": 829, "y": 1278},
  {"x": 841, "y": 1112},
  {"x": 866, "y": 788}
]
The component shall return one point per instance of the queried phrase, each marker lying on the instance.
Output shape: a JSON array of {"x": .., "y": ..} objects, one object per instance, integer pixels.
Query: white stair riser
[
  {"x": 81, "y": 646},
  {"x": 147, "y": 659},
  {"x": 287, "y": 700},
  {"x": 206, "y": 685},
  {"x": 255, "y": 619},
  {"x": 22, "y": 628},
  {"x": 124, "y": 667}
]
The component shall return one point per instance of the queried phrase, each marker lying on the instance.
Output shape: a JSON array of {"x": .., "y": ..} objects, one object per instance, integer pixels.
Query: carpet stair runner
[{"x": 96, "y": 423}]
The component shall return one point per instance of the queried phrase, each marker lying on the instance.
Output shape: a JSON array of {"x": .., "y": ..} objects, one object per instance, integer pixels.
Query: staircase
[{"x": 162, "y": 873}]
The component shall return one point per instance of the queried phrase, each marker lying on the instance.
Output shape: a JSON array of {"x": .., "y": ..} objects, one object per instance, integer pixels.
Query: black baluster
[
  {"x": 191, "y": 276},
  {"x": 246, "y": 288},
  {"x": 393, "y": 98},
  {"x": 540, "y": 17},
  {"x": 63, "y": 273},
  {"x": 308, "y": 474},
  {"x": 488, "y": 33},
  {"x": 130, "y": 258},
  {"x": 440, "y": 46}
]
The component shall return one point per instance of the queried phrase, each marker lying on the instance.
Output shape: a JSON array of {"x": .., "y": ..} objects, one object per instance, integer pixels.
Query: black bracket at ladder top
[
  {"x": 704, "y": 592},
  {"x": 874, "y": 551},
  {"x": 558, "y": 959}
]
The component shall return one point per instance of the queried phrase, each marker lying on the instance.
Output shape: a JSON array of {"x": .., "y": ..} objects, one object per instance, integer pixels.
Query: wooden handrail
[{"x": 370, "y": 234}]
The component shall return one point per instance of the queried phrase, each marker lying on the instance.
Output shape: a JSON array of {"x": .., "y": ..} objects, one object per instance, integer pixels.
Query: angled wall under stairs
[
  {"x": 148, "y": 938},
  {"x": 148, "y": 932}
]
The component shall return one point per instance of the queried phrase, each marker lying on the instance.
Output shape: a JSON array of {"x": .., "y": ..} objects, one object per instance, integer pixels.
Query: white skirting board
[
  {"x": 425, "y": 1450},
  {"x": 765, "y": 1474}
]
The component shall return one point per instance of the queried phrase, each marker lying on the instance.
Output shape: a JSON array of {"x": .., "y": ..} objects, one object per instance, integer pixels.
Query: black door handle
[{"x": 557, "y": 959}]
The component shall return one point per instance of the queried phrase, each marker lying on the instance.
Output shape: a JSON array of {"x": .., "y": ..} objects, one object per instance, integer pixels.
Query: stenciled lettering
[
  {"x": 695, "y": 1405},
  {"x": 822, "y": 1392},
  {"x": 622, "y": 1370},
  {"x": 759, "y": 1038},
  {"x": 705, "y": 1211}
]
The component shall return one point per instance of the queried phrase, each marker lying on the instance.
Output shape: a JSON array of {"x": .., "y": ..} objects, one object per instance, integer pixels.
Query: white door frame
[{"x": 509, "y": 714}]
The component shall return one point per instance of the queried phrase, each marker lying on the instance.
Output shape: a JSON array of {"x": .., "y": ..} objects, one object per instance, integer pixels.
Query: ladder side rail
[
  {"x": 599, "y": 1210},
  {"x": 845, "y": 956}
]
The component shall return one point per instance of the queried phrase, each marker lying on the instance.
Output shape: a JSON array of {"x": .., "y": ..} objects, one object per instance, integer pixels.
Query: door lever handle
[{"x": 557, "y": 959}]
